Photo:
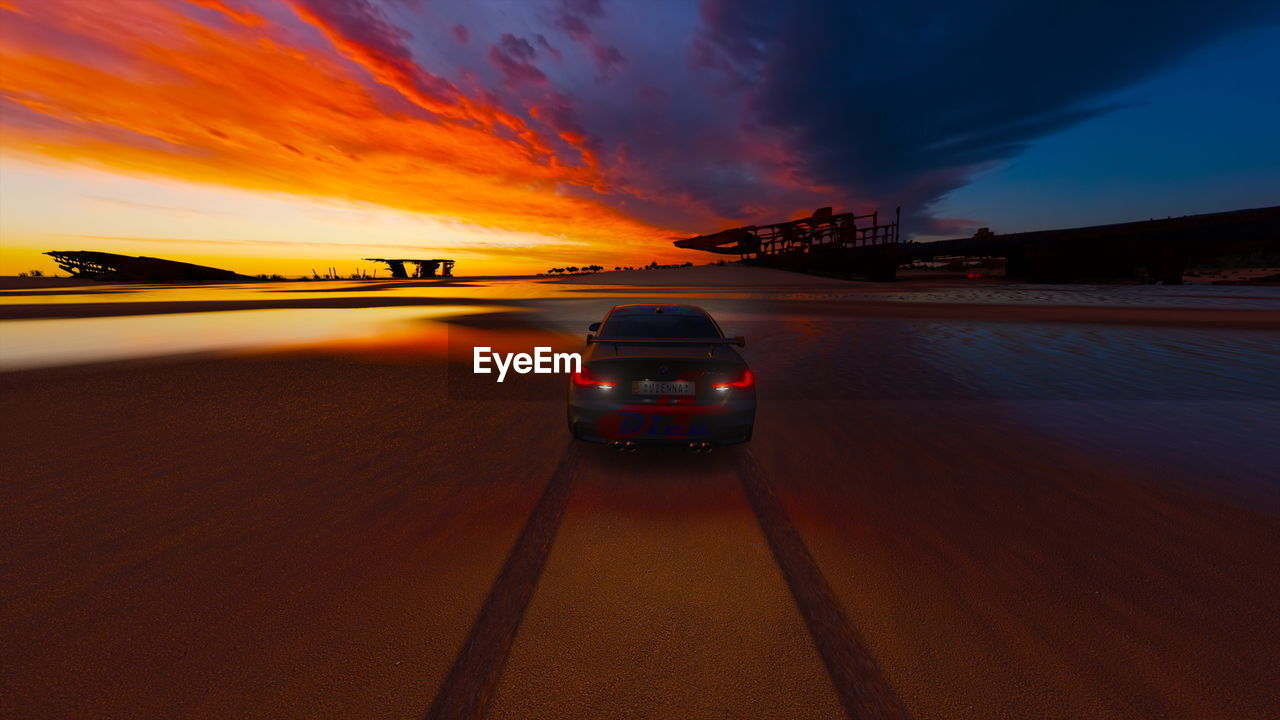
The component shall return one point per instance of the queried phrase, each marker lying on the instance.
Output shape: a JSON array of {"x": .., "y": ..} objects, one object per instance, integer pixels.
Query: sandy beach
[{"x": 1053, "y": 502}]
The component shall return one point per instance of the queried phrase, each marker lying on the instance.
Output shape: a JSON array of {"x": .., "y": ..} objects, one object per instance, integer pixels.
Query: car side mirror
[
  {"x": 593, "y": 327},
  {"x": 740, "y": 340}
]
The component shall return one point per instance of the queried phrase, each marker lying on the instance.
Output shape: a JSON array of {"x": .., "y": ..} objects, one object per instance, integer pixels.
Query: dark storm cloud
[
  {"x": 572, "y": 17},
  {"x": 552, "y": 50},
  {"x": 751, "y": 110},
  {"x": 607, "y": 57},
  {"x": 900, "y": 101},
  {"x": 514, "y": 56}
]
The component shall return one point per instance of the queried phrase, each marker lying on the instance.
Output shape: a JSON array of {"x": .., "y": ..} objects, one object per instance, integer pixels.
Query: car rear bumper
[{"x": 722, "y": 424}]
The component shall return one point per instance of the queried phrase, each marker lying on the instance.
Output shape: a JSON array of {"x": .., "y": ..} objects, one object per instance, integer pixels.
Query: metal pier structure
[
  {"x": 861, "y": 245},
  {"x": 106, "y": 266},
  {"x": 844, "y": 244},
  {"x": 1149, "y": 250},
  {"x": 421, "y": 268}
]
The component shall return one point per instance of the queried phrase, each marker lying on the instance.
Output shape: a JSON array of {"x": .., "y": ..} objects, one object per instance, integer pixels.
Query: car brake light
[
  {"x": 584, "y": 378},
  {"x": 746, "y": 381}
]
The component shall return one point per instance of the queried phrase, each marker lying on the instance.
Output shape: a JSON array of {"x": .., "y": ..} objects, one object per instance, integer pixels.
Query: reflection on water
[
  {"x": 374, "y": 304},
  {"x": 1104, "y": 362},
  {"x": 1216, "y": 297},
  {"x": 265, "y": 292},
  {"x": 1198, "y": 296},
  {"x": 1202, "y": 401},
  {"x": 35, "y": 343},
  {"x": 1205, "y": 403},
  {"x": 1200, "y": 404}
]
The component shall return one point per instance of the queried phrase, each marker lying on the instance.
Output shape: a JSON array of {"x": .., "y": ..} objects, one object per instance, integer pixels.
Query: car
[{"x": 661, "y": 374}]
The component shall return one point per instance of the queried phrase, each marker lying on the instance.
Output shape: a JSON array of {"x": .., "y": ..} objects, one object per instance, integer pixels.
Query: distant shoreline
[
  {"x": 702, "y": 275},
  {"x": 13, "y": 282}
]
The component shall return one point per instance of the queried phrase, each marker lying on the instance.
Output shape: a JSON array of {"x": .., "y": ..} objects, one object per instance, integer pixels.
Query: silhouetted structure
[
  {"x": 1153, "y": 250},
  {"x": 844, "y": 244},
  {"x": 110, "y": 266},
  {"x": 422, "y": 268}
]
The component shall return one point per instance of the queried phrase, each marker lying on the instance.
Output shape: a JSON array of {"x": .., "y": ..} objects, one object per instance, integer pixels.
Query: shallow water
[
  {"x": 1202, "y": 403},
  {"x": 1185, "y": 296},
  {"x": 1199, "y": 401},
  {"x": 126, "y": 329},
  {"x": 72, "y": 341},
  {"x": 1214, "y": 297}
]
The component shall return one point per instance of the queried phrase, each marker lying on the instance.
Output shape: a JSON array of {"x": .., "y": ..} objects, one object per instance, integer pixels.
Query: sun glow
[{"x": 208, "y": 97}]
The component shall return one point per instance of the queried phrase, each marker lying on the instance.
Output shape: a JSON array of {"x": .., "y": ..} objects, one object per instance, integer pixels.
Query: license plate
[{"x": 662, "y": 387}]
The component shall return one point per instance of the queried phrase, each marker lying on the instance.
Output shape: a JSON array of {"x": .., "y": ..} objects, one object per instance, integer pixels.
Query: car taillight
[
  {"x": 746, "y": 381},
  {"x": 584, "y": 378}
]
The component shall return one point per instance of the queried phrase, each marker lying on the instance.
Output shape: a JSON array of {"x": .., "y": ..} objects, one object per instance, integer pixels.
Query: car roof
[{"x": 646, "y": 308}]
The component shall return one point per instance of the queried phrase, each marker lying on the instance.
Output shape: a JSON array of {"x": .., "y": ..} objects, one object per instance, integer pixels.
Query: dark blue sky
[{"x": 1201, "y": 135}]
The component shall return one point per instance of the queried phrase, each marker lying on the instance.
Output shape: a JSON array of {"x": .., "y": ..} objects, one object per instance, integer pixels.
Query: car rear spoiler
[{"x": 738, "y": 340}]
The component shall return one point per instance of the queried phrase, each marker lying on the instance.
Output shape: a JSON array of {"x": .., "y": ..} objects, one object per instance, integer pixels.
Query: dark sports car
[{"x": 661, "y": 374}]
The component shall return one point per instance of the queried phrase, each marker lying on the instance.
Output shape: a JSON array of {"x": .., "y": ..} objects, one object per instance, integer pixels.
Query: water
[
  {"x": 263, "y": 315},
  {"x": 1201, "y": 401},
  {"x": 71, "y": 341}
]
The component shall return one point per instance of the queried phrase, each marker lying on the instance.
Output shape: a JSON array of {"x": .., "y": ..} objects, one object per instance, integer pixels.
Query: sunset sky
[{"x": 281, "y": 135}]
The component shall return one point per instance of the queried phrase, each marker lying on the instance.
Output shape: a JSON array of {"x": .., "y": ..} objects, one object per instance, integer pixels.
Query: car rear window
[{"x": 659, "y": 325}]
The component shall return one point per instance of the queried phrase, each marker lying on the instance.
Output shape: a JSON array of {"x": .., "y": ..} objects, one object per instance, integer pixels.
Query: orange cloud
[
  {"x": 243, "y": 17},
  {"x": 162, "y": 89}
]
